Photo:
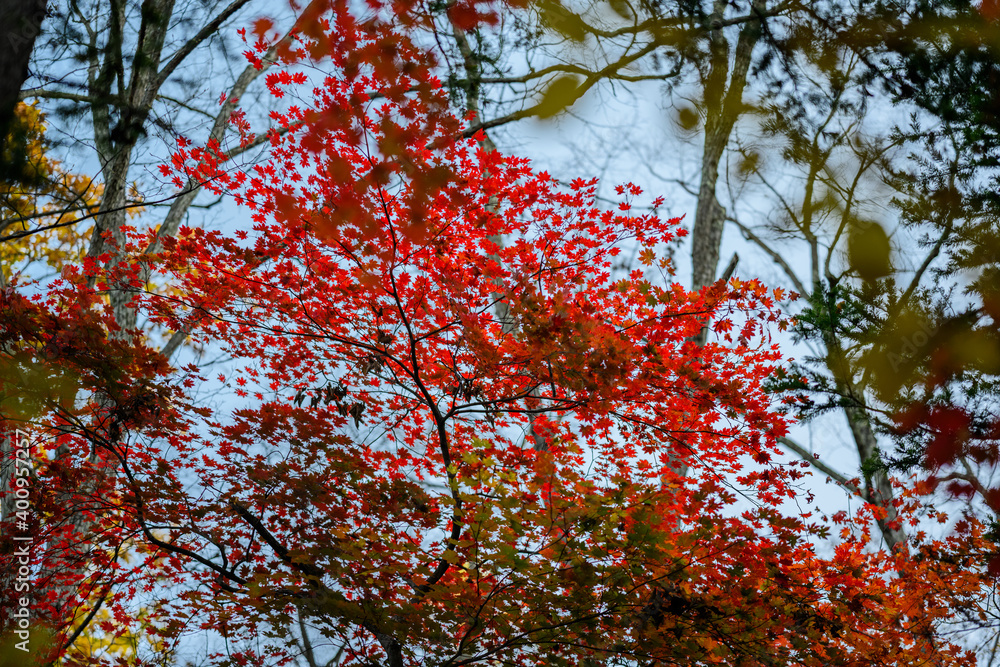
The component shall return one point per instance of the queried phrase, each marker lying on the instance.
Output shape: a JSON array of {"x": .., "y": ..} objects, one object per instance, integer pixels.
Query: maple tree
[
  {"x": 376, "y": 481},
  {"x": 790, "y": 88},
  {"x": 763, "y": 90},
  {"x": 137, "y": 82}
]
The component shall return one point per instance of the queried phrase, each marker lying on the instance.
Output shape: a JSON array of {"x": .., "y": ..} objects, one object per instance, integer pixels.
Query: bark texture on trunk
[
  {"x": 877, "y": 486},
  {"x": 878, "y": 489},
  {"x": 723, "y": 91}
]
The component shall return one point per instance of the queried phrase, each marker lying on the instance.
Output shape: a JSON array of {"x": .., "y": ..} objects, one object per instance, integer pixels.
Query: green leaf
[
  {"x": 560, "y": 94},
  {"x": 687, "y": 118},
  {"x": 29, "y": 388},
  {"x": 622, "y": 8},
  {"x": 868, "y": 251},
  {"x": 18, "y": 651},
  {"x": 562, "y": 20}
]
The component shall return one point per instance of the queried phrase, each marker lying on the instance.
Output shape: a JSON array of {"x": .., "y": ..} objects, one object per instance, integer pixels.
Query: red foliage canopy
[{"x": 457, "y": 433}]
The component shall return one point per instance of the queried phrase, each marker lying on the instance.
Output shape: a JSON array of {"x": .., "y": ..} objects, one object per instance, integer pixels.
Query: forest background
[{"x": 845, "y": 153}]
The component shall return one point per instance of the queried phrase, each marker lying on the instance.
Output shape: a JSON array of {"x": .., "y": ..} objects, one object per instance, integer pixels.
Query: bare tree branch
[
  {"x": 206, "y": 31},
  {"x": 835, "y": 475},
  {"x": 778, "y": 259}
]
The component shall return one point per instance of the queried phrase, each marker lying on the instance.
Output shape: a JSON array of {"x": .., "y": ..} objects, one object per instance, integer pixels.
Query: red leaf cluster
[{"x": 456, "y": 435}]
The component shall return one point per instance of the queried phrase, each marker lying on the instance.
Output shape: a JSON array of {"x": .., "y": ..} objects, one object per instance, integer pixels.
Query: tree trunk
[
  {"x": 22, "y": 20},
  {"x": 723, "y": 106},
  {"x": 115, "y": 144},
  {"x": 878, "y": 489}
]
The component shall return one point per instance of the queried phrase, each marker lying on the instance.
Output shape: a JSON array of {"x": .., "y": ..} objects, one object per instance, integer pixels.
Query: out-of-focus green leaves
[
  {"x": 899, "y": 347},
  {"x": 39, "y": 644},
  {"x": 559, "y": 95},
  {"x": 28, "y": 388},
  {"x": 555, "y": 16},
  {"x": 687, "y": 118},
  {"x": 622, "y": 8},
  {"x": 975, "y": 349},
  {"x": 748, "y": 163},
  {"x": 868, "y": 251}
]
